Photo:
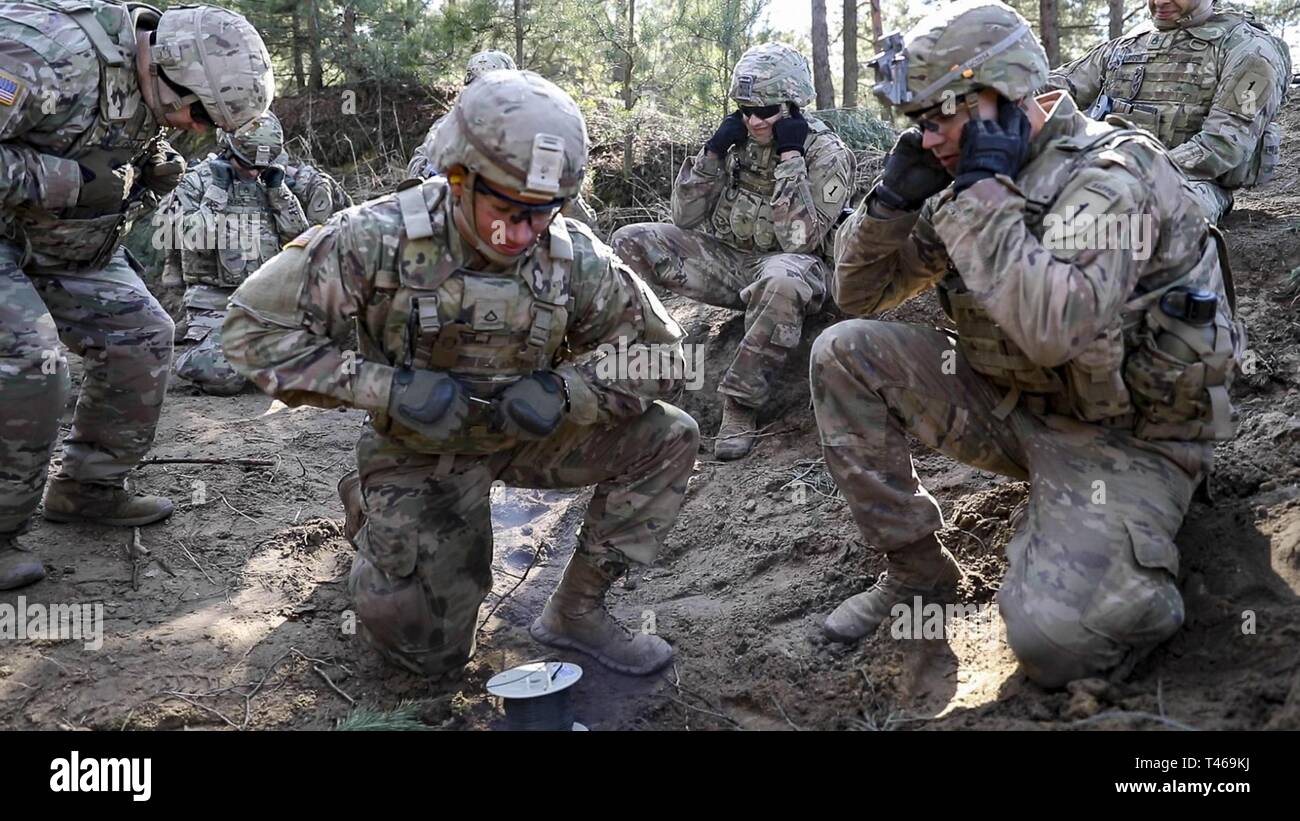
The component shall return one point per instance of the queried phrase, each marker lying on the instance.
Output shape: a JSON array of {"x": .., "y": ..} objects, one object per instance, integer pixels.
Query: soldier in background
[
  {"x": 1207, "y": 80},
  {"x": 753, "y": 215},
  {"x": 231, "y": 213},
  {"x": 86, "y": 89},
  {"x": 320, "y": 195}
]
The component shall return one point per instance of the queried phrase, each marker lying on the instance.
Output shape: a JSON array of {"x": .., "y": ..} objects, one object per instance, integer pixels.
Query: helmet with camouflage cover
[
  {"x": 516, "y": 130},
  {"x": 518, "y": 134},
  {"x": 485, "y": 61},
  {"x": 962, "y": 48},
  {"x": 258, "y": 144},
  {"x": 220, "y": 58},
  {"x": 770, "y": 74}
]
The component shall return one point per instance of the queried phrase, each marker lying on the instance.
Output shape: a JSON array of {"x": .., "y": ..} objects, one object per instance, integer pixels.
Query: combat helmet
[
  {"x": 770, "y": 74},
  {"x": 513, "y": 130},
  {"x": 485, "y": 61},
  {"x": 258, "y": 144},
  {"x": 219, "y": 57},
  {"x": 956, "y": 51}
]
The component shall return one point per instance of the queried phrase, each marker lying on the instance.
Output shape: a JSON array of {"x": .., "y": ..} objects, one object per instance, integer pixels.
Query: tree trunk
[
  {"x": 850, "y": 53},
  {"x": 519, "y": 33},
  {"x": 299, "y": 73},
  {"x": 877, "y": 26},
  {"x": 350, "y": 44},
  {"x": 1050, "y": 29},
  {"x": 313, "y": 47},
  {"x": 1116, "y": 18},
  {"x": 822, "y": 82},
  {"x": 628, "y": 98}
]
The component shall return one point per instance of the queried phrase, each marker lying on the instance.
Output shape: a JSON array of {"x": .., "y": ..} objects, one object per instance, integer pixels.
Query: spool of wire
[{"x": 535, "y": 696}]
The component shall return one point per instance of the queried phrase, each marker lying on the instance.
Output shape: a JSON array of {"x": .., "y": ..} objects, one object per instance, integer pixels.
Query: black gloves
[
  {"x": 533, "y": 407},
  {"x": 222, "y": 173},
  {"x": 162, "y": 169},
  {"x": 272, "y": 176},
  {"x": 989, "y": 148},
  {"x": 790, "y": 132},
  {"x": 104, "y": 186},
  {"x": 431, "y": 403},
  {"x": 435, "y": 404},
  {"x": 731, "y": 132},
  {"x": 912, "y": 174}
]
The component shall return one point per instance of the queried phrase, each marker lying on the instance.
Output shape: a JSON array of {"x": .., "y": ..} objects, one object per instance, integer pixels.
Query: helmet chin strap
[
  {"x": 463, "y": 214},
  {"x": 1197, "y": 12},
  {"x": 151, "y": 83},
  {"x": 161, "y": 91}
]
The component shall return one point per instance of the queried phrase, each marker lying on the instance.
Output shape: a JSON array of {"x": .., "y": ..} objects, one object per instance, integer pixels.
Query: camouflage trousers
[
  {"x": 1215, "y": 200},
  {"x": 424, "y": 544},
  {"x": 202, "y": 361},
  {"x": 776, "y": 292},
  {"x": 110, "y": 319},
  {"x": 1090, "y": 583}
]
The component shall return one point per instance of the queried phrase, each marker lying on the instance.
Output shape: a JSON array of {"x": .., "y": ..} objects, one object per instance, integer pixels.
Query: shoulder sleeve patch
[
  {"x": 1094, "y": 213},
  {"x": 12, "y": 89},
  {"x": 1252, "y": 88},
  {"x": 303, "y": 239}
]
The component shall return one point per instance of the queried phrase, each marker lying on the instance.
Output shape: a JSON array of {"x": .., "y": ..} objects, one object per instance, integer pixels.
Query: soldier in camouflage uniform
[
  {"x": 1096, "y": 370},
  {"x": 753, "y": 215},
  {"x": 321, "y": 195},
  {"x": 232, "y": 212},
  {"x": 472, "y": 301},
  {"x": 422, "y": 167},
  {"x": 1207, "y": 80},
  {"x": 86, "y": 87}
]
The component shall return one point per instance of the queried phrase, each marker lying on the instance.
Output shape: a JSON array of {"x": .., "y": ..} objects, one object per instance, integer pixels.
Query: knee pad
[{"x": 397, "y": 619}]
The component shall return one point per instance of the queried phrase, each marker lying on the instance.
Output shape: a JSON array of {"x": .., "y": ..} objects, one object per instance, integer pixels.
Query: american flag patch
[{"x": 8, "y": 90}]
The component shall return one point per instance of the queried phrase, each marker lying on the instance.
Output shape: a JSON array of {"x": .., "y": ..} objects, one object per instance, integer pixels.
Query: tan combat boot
[
  {"x": 575, "y": 617},
  {"x": 924, "y": 569},
  {"x": 67, "y": 500},
  {"x": 17, "y": 568},
  {"x": 354, "y": 513},
  {"x": 736, "y": 433}
]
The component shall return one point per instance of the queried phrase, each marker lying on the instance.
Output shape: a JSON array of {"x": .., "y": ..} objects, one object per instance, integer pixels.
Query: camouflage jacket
[
  {"x": 421, "y": 168},
  {"x": 1047, "y": 277},
  {"x": 753, "y": 201},
  {"x": 224, "y": 233},
  {"x": 1210, "y": 92},
  {"x": 68, "y": 88},
  {"x": 320, "y": 194},
  {"x": 396, "y": 271}
]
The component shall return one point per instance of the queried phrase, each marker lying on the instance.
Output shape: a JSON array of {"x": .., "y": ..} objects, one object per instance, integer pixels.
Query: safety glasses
[
  {"x": 539, "y": 215},
  {"x": 762, "y": 112}
]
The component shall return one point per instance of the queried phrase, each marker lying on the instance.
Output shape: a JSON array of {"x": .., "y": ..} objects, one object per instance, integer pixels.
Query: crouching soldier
[
  {"x": 1097, "y": 371},
  {"x": 472, "y": 299}
]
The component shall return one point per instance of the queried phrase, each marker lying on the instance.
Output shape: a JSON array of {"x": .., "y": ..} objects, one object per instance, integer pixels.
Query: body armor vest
[
  {"x": 486, "y": 328},
  {"x": 742, "y": 217},
  {"x": 243, "y": 234},
  {"x": 124, "y": 128},
  {"x": 1105, "y": 382},
  {"x": 1166, "y": 81}
]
